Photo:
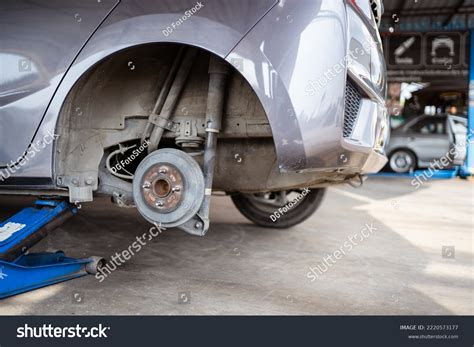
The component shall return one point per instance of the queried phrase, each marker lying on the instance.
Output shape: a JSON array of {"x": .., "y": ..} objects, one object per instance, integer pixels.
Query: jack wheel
[{"x": 95, "y": 265}]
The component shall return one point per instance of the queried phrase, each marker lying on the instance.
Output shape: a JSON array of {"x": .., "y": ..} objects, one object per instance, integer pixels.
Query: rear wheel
[
  {"x": 402, "y": 161},
  {"x": 280, "y": 210}
]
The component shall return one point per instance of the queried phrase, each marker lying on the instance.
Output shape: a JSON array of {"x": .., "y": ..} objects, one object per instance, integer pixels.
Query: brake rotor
[{"x": 168, "y": 187}]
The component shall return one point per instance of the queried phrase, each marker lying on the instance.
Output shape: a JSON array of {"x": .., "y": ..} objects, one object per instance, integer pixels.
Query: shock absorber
[
  {"x": 218, "y": 73},
  {"x": 169, "y": 187}
]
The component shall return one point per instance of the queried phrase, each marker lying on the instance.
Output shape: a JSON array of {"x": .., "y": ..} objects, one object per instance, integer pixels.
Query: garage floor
[{"x": 239, "y": 268}]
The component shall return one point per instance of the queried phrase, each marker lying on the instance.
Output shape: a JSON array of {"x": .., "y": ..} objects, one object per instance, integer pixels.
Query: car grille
[{"x": 353, "y": 101}]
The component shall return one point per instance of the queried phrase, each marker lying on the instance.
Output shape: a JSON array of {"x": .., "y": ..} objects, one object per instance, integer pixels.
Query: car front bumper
[{"x": 298, "y": 61}]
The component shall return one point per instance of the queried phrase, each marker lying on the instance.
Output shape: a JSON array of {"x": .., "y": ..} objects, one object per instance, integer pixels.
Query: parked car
[
  {"x": 423, "y": 140},
  {"x": 158, "y": 104}
]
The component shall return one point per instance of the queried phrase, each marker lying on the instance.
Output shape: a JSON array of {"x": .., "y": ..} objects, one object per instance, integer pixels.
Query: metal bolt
[
  {"x": 163, "y": 171},
  {"x": 146, "y": 185},
  {"x": 89, "y": 181},
  {"x": 75, "y": 181},
  {"x": 159, "y": 204},
  {"x": 176, "y": 189},
  {"x": 198, "y": 225}
]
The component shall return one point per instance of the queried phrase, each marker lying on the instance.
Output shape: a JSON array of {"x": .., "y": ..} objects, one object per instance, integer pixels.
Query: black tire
[
  {"x": 402, "y": 161},
  {"x": 256, "y": 210}
]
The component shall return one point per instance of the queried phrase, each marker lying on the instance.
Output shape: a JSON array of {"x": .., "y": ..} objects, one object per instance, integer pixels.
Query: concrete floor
[{"x": 239, "y": 268}]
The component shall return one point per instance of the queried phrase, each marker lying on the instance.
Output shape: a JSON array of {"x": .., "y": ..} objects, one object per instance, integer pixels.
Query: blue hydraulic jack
[{"x": 21, "y": 271}]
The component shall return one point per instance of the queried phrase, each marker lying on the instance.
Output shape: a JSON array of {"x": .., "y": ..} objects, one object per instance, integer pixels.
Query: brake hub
[
  {"x": 162, "y": 188},
  {"x": 168, "y": 187}
]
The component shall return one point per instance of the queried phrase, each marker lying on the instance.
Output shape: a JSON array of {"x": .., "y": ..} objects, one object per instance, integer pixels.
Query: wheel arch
[
  {"x": 80, "y": 69},
  {"x": 113, "y": 38},
  {"x": 85, "y": 126}
]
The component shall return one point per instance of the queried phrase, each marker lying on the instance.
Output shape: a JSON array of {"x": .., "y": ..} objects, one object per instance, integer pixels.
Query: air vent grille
[{"x": 353, "y": 100}]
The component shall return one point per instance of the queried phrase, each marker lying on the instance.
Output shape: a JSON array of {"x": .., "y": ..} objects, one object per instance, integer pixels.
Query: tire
[
  {"x": 263, "y": 210},
  {"x": 402, "y": 161}
]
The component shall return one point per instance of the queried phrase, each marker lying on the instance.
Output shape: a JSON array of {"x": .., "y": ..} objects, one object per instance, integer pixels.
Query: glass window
[{"x": 429, "y": 126}]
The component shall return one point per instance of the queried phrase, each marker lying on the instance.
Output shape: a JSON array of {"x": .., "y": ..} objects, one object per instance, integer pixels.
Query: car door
[
  {"x": 428, "y": 138},
  {"x": 39, "y": 41},
  {"x": 457, "y": 131}
]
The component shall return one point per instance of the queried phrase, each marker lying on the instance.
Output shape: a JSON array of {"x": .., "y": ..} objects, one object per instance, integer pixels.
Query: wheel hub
[
  {"x": 168, "y": 187},
  {"x": 162, "y": 188},
  {"x": 401, "y": 162}
]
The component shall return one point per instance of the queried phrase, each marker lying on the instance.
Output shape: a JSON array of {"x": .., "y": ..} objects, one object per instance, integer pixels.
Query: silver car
[
  {"x": 160, "y": 103},
  {"x": 423, "y": 141}
]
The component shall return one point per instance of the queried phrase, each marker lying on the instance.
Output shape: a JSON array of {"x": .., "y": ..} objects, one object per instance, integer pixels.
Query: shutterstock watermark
[
  {"x": 329, "y": 260},
  {"x": 14, "y": 165},
  {"x": 285, "y": 209},
  {"x": 187, "y": 14},
  {"x": 435, "y": 166},
  {"x": 314, "y": 86},
  {"x": 3, "y": 275},
  {"x": 120, "y": 258},
  {"x": 441, "y": 163},
  {"x": 50, "y": 331}
]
